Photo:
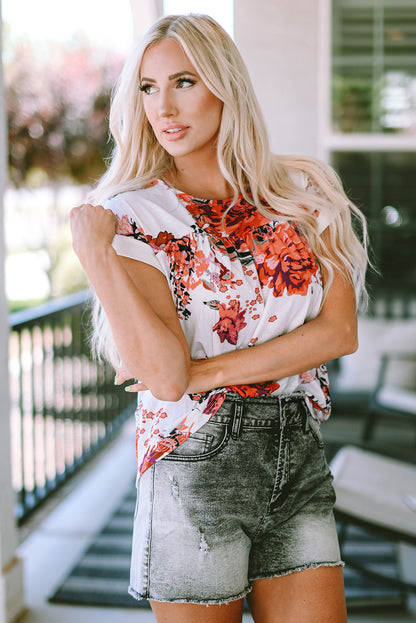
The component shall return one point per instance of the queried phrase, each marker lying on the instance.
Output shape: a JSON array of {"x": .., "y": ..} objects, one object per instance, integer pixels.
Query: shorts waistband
[
  {"x": 266, "y": 399},
  {"x": 261, "y": 411}
]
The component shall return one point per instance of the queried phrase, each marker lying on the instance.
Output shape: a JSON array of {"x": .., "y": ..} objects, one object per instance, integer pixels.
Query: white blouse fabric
[{"x": 232, "y": 290}]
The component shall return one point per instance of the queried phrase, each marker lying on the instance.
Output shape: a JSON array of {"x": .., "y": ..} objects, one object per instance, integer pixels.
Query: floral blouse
[{"x": 231, "y": 290}]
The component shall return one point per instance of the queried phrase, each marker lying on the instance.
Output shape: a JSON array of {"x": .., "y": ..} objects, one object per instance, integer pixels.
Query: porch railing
[{"x": 64, "y": 405}]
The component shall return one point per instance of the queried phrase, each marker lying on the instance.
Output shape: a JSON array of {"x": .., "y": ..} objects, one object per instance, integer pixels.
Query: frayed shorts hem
[
  {"x": 201, "y": 602},
  {"x": 313, "y": 565},
  {"x": 219, "y": 602}
]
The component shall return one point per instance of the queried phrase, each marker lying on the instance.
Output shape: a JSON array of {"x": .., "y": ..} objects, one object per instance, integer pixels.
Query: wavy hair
[{"x": 274, "y": 184}]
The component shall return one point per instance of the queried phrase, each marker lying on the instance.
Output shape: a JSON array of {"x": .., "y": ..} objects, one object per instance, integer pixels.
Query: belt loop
[{"x": 237, "y": 419}]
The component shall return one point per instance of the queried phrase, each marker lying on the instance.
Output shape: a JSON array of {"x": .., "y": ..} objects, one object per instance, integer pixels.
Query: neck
[{"x": 205, "y": 181}]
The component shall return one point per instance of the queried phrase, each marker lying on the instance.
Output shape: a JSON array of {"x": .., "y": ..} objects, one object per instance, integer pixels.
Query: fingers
[
  {"x": 123, "y": 375},
  {"x": 93, "y": 227},
  {"x": 136, "y": 387}
]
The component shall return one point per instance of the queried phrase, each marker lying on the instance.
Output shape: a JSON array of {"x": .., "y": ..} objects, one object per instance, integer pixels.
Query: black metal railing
[{"x": 64, "y": 405}]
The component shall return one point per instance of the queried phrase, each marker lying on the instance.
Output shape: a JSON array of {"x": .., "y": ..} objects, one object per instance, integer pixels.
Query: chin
[{"x": 178, "y": 151}]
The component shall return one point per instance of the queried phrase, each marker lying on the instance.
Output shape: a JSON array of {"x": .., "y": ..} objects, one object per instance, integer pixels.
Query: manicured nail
[
  {"x": 128, "y": 388},
  {"x": 116, "y": 380}
]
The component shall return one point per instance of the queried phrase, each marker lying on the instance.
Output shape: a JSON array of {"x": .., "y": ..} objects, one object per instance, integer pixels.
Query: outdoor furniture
[
  {"x": 379, "y": 494},
  {"x": 391, "y": 399}
]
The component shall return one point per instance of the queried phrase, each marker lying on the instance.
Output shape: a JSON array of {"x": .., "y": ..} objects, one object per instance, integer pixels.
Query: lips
[{"x": 175, "y": 131}]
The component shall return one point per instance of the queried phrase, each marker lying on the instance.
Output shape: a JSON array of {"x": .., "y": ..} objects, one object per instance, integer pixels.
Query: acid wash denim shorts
[{"x": 248, "y": 496}]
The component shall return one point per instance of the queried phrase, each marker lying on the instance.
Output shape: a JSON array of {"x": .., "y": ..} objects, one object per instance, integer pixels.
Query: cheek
[
  {"x": 209, "y": 102},
  {"x": 148, "y": 111},
  {"x": 213, "y": 108}
]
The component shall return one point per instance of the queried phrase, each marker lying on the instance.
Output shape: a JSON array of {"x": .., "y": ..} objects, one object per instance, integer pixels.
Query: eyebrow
[{"x": 173, "y": 76}]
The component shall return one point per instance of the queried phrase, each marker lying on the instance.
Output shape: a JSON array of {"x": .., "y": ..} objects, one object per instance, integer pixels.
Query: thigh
[
  {"x": 190, "y": 613},
  {"x": 308, "y": 596}
]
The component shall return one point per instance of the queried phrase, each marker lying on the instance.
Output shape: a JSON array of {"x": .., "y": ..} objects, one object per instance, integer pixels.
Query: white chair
[
  {"x": 379, "y": 494},
  {"x": 392, "y": 397}
]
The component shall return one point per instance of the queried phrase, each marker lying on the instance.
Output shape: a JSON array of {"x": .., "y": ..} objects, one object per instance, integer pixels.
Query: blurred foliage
[
  {"x": 352, "y": 103},
  {"x": 57, "y": 102},
  {"x": 65, "y": 273}
]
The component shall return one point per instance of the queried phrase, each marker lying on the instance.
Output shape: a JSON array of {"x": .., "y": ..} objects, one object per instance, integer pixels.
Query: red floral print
[
  {"x": 231, "y": 320},
  {"x": 214, "y": 403},
  {"x": 124, "y": 227},
  {"x": 162, "y": 239},
  {"x": 285, "y": 262},
  {"x": 307, "y": 377},
  {"x": 255, "y": 389}
]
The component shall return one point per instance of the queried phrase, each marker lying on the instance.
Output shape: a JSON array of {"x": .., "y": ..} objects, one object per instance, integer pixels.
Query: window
[
  {"x": 373, "y": 133},
  {"x": 374, "y": 66},
  {"x": 383, "y": 185}
]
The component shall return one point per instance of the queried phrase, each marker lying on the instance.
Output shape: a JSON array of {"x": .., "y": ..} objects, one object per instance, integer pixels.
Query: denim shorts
[{"x": 248, "y": 496}]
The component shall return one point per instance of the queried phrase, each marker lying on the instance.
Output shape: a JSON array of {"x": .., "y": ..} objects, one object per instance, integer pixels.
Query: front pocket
[
  {"x": 315, "y": 430},
  {"x": 204, "y": 443}
]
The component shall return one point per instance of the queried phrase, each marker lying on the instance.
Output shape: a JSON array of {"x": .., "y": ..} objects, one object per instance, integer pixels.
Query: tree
[{"x": 57, "y": 103}]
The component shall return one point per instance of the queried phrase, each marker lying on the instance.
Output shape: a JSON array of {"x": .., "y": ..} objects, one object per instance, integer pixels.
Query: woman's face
[{"x": 184, "y": 114}]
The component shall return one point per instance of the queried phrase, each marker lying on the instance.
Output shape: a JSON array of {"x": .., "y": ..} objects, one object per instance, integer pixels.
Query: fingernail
[
  {"x": 127, "y": 389},
  {"x": 116, "y": 380}
]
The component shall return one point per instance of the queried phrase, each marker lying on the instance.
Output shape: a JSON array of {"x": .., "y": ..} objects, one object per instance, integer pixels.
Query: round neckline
[{"x": 199, "y": 199}]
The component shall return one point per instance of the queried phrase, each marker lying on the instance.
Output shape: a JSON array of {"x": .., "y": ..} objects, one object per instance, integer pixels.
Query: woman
[{"x": 225, "y": 277}]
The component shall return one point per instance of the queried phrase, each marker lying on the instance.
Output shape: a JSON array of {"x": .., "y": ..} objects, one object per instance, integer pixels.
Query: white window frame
[{"x": 338, "y": 141}]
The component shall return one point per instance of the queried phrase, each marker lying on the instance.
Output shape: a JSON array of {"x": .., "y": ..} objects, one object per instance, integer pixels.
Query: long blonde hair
[{"x": 243, "y": 152}]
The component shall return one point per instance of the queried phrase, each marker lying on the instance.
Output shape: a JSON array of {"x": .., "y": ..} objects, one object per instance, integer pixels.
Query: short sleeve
[
  {"x": 131, "y": 240},
  {"x": 324, "y": 218}
]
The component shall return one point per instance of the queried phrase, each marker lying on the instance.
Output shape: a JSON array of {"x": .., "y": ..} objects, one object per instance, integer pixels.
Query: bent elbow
[
  {"x": 349, "y": 342},
  {"x": 170, "y": 389},
  {"x": 168, "y": 392}
]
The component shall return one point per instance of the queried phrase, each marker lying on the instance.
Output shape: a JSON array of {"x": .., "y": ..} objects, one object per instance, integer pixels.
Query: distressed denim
[{"x": 248, "y": 496}]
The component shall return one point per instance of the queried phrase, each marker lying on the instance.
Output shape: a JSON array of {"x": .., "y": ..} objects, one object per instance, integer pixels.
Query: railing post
[
  {"x": 64, "y": 406},
  {"x": 11, "y": 576}
]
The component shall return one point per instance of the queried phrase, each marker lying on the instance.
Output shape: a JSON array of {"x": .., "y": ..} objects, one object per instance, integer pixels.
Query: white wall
[
  {"x": 285, "y": 44},
  {"x": 144, "y": 13},
  {"x": 11, "y": 581}
]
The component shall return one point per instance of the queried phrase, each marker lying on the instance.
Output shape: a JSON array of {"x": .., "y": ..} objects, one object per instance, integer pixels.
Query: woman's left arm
[{"x": 332, "y": 334}]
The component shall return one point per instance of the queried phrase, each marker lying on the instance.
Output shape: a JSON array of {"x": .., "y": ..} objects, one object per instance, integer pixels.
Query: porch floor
[{"x": 53, "y": 541}]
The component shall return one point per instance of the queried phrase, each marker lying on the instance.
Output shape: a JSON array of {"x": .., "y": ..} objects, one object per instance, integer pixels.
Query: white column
[
  {"x": 11, "y": 576},
  {"x": 145, "y": 12},
  {"x": 286, "y": 47}
]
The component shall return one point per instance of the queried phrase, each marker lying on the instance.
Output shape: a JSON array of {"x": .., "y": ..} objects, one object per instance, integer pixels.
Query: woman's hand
[
  {"x": 123, "y": 375},
  {"x": 93, "y": 229},
  {"x": 200, "y": 373}
]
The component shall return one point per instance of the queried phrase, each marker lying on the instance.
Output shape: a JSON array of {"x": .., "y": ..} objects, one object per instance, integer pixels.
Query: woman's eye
[
  {"x": 183, "y": 83},
  {"x": 147, "y": 88}
]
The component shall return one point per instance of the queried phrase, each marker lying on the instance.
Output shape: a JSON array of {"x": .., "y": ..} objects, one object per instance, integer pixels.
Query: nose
[{"x": 167, "y": 104}]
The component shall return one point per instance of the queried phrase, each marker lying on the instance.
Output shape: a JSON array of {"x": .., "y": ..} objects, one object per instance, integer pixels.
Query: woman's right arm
[{"x": 138, "y": 304}]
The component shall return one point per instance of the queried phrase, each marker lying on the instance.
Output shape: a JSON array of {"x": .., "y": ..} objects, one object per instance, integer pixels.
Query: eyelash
[
  {"x": 182, "y": 80},
  {"x": 179, "y": 83},
  {"x": 144, "y": 88}
]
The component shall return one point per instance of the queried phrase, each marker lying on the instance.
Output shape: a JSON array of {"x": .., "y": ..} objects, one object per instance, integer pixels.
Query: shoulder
[
  {"x": 156, "y": 195},
  {"x": 152, "y": 208}
]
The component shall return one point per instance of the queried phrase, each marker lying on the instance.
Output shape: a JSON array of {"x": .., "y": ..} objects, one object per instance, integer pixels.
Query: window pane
[
  {"x": 374, "y": 66},
  {"x": 383, "y": 186}
]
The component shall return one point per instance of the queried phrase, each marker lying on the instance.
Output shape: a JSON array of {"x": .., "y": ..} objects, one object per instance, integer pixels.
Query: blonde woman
[{"x": 225, "y": 278}]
